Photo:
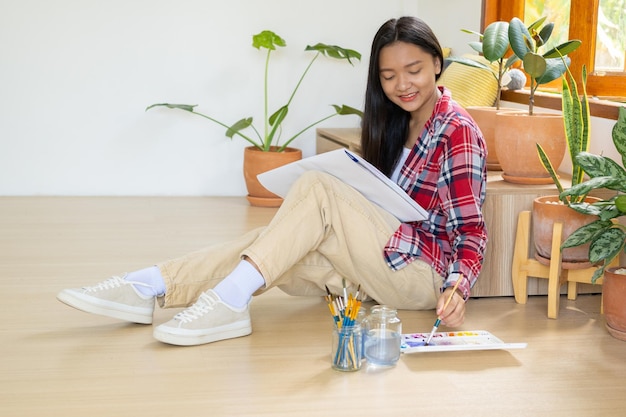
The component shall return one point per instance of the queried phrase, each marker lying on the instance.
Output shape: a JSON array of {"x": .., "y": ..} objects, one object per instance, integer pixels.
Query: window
[{"x": 599, "y": 24}]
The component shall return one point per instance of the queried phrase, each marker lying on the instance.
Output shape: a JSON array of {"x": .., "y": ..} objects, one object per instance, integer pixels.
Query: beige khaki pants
[{"x": 323, "y": 232}]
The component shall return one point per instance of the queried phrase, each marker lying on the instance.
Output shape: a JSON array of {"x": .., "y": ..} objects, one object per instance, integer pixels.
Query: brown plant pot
[
  {"x": 516, "y": 136},
  {"x": 614, "y": 303},
  {"x": 256, "y": 162},
  {"x": 547, "y": 210},
  {"x": 485, "y": 118}
]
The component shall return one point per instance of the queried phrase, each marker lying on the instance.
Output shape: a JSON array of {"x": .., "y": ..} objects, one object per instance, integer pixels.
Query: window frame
[{"x": 583, "y": 28}]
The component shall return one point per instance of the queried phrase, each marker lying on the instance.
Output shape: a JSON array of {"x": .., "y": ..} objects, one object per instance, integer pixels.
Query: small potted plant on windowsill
[
  {"x": 606, "y": 236},
  {"x": 492, "y": 46},
  {"x": 267, "y": 151},
  {"x": 517, "y": 132}
]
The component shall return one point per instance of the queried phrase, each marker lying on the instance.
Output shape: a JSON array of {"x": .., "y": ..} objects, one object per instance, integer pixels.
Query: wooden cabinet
[{"x": 503, "y": 203}]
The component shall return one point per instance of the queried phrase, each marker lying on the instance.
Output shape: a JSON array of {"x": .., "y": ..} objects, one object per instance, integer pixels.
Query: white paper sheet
[
  {"x": 453, "y": 341},
  {"x": 354, "y": 171}
]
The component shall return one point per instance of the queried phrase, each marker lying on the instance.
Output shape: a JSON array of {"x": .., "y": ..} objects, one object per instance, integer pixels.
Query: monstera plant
[
  {"x": 267, "y": 138},
  {"x": 267, "y": 150}
]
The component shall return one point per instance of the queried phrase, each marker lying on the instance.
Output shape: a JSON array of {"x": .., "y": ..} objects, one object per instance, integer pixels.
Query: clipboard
[{"x": 354, "y": 171}]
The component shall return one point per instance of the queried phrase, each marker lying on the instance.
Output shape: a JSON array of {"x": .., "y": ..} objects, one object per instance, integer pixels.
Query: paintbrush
[{"x": 438, "y": 321}]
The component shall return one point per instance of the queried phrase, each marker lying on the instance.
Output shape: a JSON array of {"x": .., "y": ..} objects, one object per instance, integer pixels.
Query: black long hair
[{"x": 385, "y": 126}]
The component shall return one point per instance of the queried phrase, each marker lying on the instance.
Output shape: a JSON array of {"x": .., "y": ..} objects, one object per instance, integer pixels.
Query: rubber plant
[
  {"x": 493, "y": 46},
  {"x": 606, "y": 236},
  {"x": 527, "y": 44},
  {"x": 269, "y": 140}
]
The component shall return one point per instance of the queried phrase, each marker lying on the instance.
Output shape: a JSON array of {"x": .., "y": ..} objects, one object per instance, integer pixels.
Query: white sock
[
  {"x": 237, "y": 288},
  {"x": 152, "y": 280}
]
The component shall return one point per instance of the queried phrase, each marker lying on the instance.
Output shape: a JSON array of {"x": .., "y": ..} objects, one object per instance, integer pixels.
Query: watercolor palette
[{"x": 451, "y": 341}]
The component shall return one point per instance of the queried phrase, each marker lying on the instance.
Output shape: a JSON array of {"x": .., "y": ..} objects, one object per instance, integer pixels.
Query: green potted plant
[
  {"x": 492, "y": 48},
  {"x": 493, "y": 45},
  {"x": 606, "y": 236},
  {"x": 552, "y": 208},
  {"x": 266, "y": 150},
  {"x": 519, "y": 131}
]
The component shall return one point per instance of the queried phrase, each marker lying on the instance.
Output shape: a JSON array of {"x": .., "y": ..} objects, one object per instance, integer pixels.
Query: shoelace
[
  {"x": 115, "y": 282},
  {"x": 204, "y": 304},
  {"x": 112, "y": 282}
]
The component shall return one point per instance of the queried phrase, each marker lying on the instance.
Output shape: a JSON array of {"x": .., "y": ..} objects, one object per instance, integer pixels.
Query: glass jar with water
[{"x": 382, "y": 336}]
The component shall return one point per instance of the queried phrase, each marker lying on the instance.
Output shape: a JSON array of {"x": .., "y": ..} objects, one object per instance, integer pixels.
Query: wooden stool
[{"x": 523, "y": 267}]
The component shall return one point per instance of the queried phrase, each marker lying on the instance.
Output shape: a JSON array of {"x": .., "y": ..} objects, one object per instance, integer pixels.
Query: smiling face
[{"x": 408, "y": 78}]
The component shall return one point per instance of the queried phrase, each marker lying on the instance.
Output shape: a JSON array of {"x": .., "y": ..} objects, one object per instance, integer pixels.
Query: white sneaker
[
  {"x": 114, "y": 297},
  {"x": 208, "y": 320}
]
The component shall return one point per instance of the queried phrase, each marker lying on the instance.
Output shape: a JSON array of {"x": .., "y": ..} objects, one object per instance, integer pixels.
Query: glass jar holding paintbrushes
[{"x": 347, "y": 346}]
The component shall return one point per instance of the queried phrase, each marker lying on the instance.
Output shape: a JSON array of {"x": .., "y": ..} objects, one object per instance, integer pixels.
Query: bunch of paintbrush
[
  {"x": 347, "y": 352},
  {"x": 344, "y": 309}
]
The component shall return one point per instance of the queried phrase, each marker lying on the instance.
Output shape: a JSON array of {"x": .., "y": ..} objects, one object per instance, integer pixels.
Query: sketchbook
[
  {"x": 451, "y": 341},
  {"x": 354, "y": 171}
]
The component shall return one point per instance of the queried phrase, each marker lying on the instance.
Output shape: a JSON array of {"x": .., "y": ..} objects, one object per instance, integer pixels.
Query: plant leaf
[
  {"x": 186, "y": 107},
  {"x": 601, "y": 166},
  {"x": 609, "y": 212},
  {"x": 586, "y": 208},
  {"x": 545, "y": 161},
  {"x": 608, "y": 245},
  {"x": 598, "y": 273},
  {"x": 576, "y": 122},
  {"x": 563, "y": 49},
  {"x": 477, "y": 46},
  {"x": 496, "y": 41},
  {"x": 519, "y": 37},
  {"x": 345, "y": 110},
  {"x": 589, "y": 185},
  {"x": 620, "y": 203},
  {"x": 537, "y": 23},
  {"x": 586, "y": 233},
  {"x": 279, "y": 115},
  {"x": 619, "y": 133},
  {"x": 534, "y": 64},
  {"x": 240, "y": 125},
  {"x": 511, "y": 60},
  {"x": 555, "y": 67},
  {"x": 268, "y": 40},
  {"x": 468, "y": 61},
  {"x": 545, "y": 33},
  {"x": 472, "y": 32},
  {"x": 334, "y": 51}
]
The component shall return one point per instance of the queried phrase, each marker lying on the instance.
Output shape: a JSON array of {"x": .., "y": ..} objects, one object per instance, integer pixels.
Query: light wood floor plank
[{"x": 57, "y": 361}]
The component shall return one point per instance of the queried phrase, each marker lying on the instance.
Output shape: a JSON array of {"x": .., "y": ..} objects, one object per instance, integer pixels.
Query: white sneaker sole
[
  {"x": 95, "y": 305},
  {"x": 185, "y": 337}
]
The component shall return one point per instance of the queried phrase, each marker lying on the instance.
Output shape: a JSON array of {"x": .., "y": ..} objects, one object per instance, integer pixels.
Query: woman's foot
[
  {"x": 114, "y": 297},
  {"x": 208, "y": 320}
]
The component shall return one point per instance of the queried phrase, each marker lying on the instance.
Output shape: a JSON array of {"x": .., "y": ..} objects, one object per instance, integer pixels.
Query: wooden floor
[{"x": 57, "y": 361}]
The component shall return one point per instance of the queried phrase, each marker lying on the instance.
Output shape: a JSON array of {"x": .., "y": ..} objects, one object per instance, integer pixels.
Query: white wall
[{"x": 76, "y": 76}]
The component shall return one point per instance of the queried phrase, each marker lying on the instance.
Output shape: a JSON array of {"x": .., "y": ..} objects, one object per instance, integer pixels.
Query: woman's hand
[{"x": 454, "y": 315}]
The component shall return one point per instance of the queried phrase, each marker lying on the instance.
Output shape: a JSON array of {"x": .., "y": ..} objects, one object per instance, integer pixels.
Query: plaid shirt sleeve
[{"x": 445, "y": 173}]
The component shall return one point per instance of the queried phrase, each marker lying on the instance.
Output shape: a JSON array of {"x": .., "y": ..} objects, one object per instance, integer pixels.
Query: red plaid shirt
[{"x": 445, "y": 173}]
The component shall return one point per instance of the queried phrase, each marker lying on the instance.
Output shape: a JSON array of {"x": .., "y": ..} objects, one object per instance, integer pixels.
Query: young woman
[{"x": 326, "y": 231}]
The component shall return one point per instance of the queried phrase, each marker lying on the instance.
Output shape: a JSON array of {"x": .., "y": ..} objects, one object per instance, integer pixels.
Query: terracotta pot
[
  {"x": 485, "y": 118},
  {"x": 614, "y": 303},
  {"x": 546, "y": 211},
  {"x": 256, "y": 162},
  {"x": 516, "y": 136}
]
